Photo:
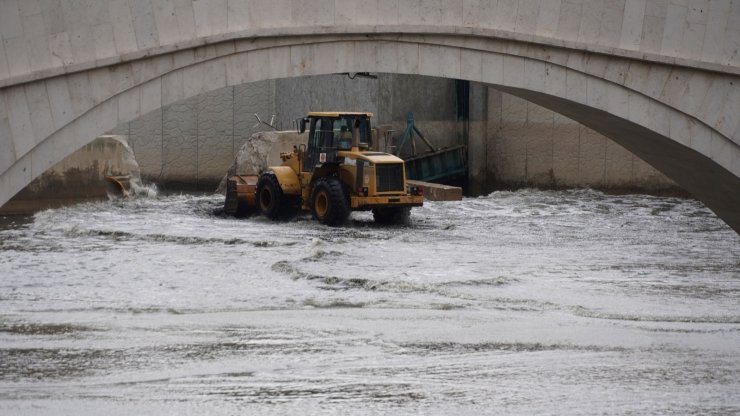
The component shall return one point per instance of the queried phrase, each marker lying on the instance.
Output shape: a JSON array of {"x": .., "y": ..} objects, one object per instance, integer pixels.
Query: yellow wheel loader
[{"x": 334, "y": 174}]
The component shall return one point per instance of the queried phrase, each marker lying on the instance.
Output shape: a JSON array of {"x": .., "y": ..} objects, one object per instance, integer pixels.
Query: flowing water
[{"x": 528, "y": 302}]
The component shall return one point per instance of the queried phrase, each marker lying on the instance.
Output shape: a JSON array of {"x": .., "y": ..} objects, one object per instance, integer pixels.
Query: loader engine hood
[{"x": 372, "y": 157}]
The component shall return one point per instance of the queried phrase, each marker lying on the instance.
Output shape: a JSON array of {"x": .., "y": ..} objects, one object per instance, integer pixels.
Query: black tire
[
  {"x": 271, "y": 201},
  {"x": 329, "y": 202},
  {"x": 392, "y": 215}
]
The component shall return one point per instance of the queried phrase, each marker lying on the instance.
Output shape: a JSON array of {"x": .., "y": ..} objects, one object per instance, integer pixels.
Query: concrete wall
[
  {"x": 658, "y": 77},
  {"x": 528, "y": 145},
  {"x": 191, "y": 144}
]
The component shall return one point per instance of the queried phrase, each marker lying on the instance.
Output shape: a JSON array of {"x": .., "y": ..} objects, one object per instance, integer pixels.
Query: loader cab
[{"x": 330, "y": 133}]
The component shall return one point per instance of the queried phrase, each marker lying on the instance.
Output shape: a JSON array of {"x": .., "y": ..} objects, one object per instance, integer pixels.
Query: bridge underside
[
  {"x": 659, "y": 124},
  {"x": 701, "y": 176}
]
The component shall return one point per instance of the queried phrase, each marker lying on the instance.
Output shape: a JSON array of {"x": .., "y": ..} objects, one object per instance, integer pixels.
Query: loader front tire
[
  {"x": 329, "y": 202},
  {"x": 272, "y": 203}
]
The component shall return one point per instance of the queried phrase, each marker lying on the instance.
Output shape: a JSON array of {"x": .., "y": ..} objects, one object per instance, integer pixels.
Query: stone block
[
  {"x": 408, "y": 12},
  {"x": 438, "y": 192},
  {"x": 548, "y": 17},
  {"x": 10, "y": 20},
  {"x": 7, "y": 156},
  {"x": 366, "y": 12},
  {"x": 60, "y": 49},
  {"x": 128, "y": 105},
  {"x": 616, "y": 70},
  {"x": 534, "y": 75},
  {"x": 526, "y": 16},
  {"x": 618, "y": 172},
  {"x": 408, "y": 57},
  {"x": 566, "y": 143},
  {"x": 236, "y": 68},
  {"x": 555, "y": 80},
  {"x": 539, "y": 142},
  {"x": 569, "y": 20},
  {"x": 39, "y": 55},
  {"x": 505, "y": 15},
  {"x": 144, "y": 25},
  {"x": 592, "y": 157},
  {"x": 19, "y": 119},
  {"x": 166, "y": 22},
  {"x": 693, "y": 40},
  {"x": 591, "y": 15},
  {"x": 150, "y": 96},
  {"x": 714, "y": 35},
  {"x": 721, "y": 150},
  {"x": 18, "y": 49},
  {"x": 345, "y": 12},
  {"x": 194, "y": 80},
  {"x": 631, "y": 33},
  {"x": 576, "y": 86},
  {"x": 511, "y": 157},
  {"x": 389, "y": 9},
  {"x": 80, "y": 91},
  {"x": 173, "y": 89},
  {"x": 492, "y": 68},
  {"x": 679, "y": 127},
  {"x": 103, "y": 41},
  {"x": 652, "y": 32},
  {"x": 39, "y": 107},
  {"x": 470, "y": 65},
  {"x": 514, "y": 71},
  {"x": 439, "y": 61},
  {"x": 4, "y": 66},
  {"x": 617, "y": 102}
]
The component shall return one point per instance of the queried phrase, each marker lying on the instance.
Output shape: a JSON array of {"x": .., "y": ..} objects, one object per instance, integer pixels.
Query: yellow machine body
[{"x": 369, "y": 180}]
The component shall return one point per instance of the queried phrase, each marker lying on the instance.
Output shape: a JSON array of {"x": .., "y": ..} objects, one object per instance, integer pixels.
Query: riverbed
[{"x": 526, "y": 302}]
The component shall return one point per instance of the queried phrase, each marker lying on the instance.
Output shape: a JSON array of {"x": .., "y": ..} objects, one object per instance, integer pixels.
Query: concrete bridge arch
[{"x": 645, "y": 106}]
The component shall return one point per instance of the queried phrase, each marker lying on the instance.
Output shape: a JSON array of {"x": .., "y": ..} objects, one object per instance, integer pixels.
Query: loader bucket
[{"x": 241, "y": 191}]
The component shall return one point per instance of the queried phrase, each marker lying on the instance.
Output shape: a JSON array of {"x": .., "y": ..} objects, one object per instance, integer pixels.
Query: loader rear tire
[
  {"x": 272, "y": 203},
  {"x": 329, "y": 202}
]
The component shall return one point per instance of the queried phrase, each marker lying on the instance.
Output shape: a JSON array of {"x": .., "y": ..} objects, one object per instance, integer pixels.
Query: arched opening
[{"x": 607, "y": 107}]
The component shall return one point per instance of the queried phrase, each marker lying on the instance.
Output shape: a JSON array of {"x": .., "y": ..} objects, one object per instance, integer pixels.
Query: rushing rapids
[{"x": 525, "y": 302}]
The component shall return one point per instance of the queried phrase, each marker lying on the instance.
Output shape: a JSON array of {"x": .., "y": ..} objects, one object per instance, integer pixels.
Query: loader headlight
[{"x": 415, "y": 190}]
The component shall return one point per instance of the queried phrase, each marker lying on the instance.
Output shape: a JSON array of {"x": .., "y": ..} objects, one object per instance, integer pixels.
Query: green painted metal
[
  {"x": 434, "y": 165},
  {"x": 440, "y": 165}
]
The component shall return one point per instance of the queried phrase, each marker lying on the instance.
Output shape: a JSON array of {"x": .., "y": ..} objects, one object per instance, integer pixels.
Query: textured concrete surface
[
  {"x": 90, "y": 66},
  {"x": 192, "y": 143},
  {"x": 529, "y": 145},
  {"x": 211, "y": 128}
]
